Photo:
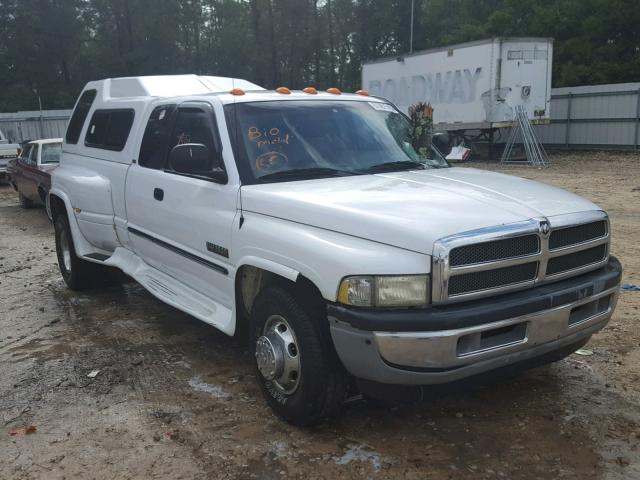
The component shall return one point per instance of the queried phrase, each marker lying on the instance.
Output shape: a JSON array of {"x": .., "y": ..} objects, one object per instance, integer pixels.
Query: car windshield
[
  {"x": 295, "y": 140},
  {"x": 51, "y": 152}
]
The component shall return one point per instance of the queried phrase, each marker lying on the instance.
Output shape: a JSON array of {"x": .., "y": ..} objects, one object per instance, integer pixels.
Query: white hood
[{"x": 411, "y": 209}]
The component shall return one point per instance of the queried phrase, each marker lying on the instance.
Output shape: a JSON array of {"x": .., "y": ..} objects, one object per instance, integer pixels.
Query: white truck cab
[{"x": 307, "y": 220}]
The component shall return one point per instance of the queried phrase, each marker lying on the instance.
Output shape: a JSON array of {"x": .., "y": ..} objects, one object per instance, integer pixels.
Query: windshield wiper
[
  {"x": 393, "y": 166},
  {"x": 305, "y": 173}
]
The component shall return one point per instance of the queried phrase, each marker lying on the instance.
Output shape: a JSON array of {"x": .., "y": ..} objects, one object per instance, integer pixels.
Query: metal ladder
[{"x": 535, "y": 153}]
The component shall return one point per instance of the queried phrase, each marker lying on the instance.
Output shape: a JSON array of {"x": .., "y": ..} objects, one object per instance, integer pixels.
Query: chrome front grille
[
  {"x": 575, "y": 260},
  {"x": 564, "y": 237},
  {"x": 494, "y": 250},
  {"x": 516, "y": 256},
  {"x": 485, "y": 279}
]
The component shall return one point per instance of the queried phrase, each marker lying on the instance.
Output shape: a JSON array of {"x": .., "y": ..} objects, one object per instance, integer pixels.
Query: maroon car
[{"x": 30, "y": 173}]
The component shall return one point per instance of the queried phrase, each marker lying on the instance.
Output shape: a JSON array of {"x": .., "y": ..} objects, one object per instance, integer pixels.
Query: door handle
[{"x": 158, "y": 194}]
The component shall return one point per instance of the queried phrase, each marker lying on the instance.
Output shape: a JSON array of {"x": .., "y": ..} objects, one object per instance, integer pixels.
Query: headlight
[{"x": 385, "y": 291}]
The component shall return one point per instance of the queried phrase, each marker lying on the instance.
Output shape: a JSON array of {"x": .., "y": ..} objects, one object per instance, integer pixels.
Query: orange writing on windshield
[{"x": 271, "y": 136}]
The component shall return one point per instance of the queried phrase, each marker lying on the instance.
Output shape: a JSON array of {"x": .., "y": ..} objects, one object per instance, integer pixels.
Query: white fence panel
[
  {"x": 21, "y": 126},
  {"x": 594, "y": 117}
]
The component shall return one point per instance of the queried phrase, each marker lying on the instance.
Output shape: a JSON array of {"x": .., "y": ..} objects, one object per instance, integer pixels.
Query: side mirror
[{"x": 195, "y": 159}]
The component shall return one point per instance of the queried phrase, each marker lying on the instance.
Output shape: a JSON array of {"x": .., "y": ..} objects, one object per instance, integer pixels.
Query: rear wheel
[
  {"x": 24, "y": 201},
  {"x": 78, "y": 274},
  {"x": 297, "y": 369}
]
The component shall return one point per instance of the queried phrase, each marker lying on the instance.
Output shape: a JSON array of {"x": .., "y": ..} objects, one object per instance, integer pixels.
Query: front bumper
[{"x": 448, "y": 343}]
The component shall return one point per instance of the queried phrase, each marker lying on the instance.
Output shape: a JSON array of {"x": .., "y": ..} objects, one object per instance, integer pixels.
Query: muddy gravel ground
[{"x": 174, "y": 398}]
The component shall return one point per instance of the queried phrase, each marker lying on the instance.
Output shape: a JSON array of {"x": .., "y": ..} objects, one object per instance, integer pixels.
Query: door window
[
  {"x": 51, "y": 153},
  {"x": 195, "y": 125},
  {"x": 155, "y": 142}
]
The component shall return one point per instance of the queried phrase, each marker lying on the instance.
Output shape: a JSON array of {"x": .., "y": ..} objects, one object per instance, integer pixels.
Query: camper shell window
[
  {"x": 109, "y": 129},
  {"x": 79, "y": 116}
]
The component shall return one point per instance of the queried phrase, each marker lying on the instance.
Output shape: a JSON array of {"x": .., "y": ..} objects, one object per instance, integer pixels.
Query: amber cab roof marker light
[
  {"x": 334, "y": 91},
  {"x": 364, "y": 93},
  {"x": 283, "y": 90},
  {"x": 237, "y": 91},
  {"x": 310, "y": 91}
]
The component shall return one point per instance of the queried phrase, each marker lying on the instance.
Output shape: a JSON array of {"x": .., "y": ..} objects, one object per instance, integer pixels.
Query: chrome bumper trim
[{"x": 440, "y": 349}]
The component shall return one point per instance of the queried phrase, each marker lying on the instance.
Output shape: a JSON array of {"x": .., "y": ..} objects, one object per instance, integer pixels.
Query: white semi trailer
[{"x": 471, "y": 86}]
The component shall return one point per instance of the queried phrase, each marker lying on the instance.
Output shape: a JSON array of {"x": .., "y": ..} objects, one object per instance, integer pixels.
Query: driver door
[{"x": 178, "y": 223}]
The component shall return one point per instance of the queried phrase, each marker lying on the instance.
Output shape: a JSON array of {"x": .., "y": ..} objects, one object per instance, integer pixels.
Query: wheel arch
[
  {"x": 42, "y": 193},
  {"x": 59, "y": 204},
  {"x": 253, "y": 275},
  {"x": 56, "y": 205}
]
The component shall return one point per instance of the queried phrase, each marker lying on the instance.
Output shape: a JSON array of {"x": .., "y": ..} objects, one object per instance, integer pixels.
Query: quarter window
[
  {"x": 109, "y": 129},
  {"x": 79, "y": 116},
  {"x": 24, "y": 155},
  {"x": 33, "y": 156}
]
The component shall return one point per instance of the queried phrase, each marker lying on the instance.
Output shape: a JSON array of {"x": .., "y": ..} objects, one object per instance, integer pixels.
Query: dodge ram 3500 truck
[{"x": 309, "y": 221}]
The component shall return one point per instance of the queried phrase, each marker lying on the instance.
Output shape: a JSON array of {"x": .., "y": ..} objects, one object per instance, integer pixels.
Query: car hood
[{"x": 411, "y": 209}]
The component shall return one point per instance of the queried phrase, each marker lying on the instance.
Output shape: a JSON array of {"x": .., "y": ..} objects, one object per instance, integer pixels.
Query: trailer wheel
[{"x": 297, "y": 369}]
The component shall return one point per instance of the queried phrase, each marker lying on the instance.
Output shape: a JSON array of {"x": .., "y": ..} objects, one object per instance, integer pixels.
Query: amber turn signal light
[{"x": 237, "y": 91}]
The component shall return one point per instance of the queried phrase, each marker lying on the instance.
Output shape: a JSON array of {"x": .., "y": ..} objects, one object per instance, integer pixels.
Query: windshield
[
  {"x": 51, "y": 152},
  {"x": 294, "y": 140}
]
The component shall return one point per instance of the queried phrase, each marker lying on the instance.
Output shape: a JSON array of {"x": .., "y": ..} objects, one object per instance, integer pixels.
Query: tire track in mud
[{"x": 159, "y": 384}]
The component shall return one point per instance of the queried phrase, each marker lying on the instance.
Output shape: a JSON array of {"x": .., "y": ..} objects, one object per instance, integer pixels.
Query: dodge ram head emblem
[{"x": 545, "y": 228}]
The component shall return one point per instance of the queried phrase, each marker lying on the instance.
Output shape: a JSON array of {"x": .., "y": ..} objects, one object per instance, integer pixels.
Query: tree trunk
[
  {"x": 317, "y": 46},
  {"x": 255, "y": 23},
  {"x": 272, "y": 40},
  {"x": 332, "y": 56}
]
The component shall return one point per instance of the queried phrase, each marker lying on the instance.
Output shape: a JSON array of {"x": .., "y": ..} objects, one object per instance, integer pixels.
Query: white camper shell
[{"x": 474, "y": 85}]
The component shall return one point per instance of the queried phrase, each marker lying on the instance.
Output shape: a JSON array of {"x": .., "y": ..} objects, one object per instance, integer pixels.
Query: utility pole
[
  {"x": 35, "y": 90},
  {"x": 411, "y": 29}
]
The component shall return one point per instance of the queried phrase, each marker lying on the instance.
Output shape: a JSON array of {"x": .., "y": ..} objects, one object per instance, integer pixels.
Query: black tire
[
  {"x": 24, "y": 201},
  {"x": 322, "y": 382},
  {"x": 77, "y": 273}
]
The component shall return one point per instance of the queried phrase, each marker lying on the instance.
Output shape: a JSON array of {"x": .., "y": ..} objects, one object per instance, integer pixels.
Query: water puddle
[
  {"x": 360, "y": 453},
  {"x": 198, "y": 385}
]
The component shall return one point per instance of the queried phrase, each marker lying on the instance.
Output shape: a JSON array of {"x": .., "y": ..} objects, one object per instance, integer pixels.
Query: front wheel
[{"x": 297, "y": 368}]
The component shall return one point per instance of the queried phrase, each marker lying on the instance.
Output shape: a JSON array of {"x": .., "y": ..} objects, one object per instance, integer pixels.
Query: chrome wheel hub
[
  {"x": 65, "y": 251},
  {"x": 278, "y": 355}
]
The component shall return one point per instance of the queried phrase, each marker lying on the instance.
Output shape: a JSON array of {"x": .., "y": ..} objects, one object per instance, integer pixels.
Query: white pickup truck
[{"x": 308, "y": 220}]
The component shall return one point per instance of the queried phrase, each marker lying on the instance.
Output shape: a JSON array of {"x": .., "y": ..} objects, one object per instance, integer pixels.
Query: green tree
[{"x": 54, "y": 47}]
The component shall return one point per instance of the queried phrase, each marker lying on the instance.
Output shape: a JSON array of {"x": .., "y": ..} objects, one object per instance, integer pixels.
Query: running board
[{"x": 171, "y": 291}]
